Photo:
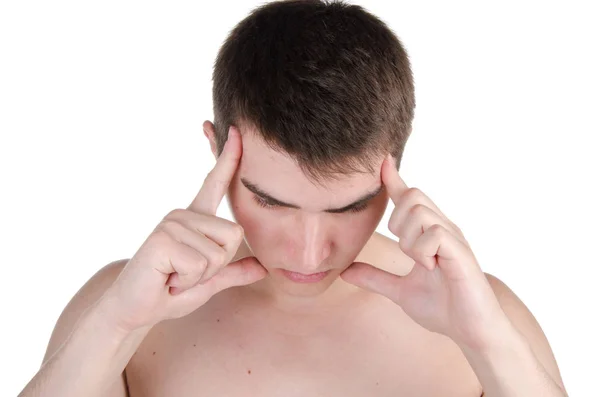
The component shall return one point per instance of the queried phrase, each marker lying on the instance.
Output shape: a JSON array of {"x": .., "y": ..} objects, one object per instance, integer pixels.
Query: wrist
[
  {"x": 102, "y": 317},
  {"x": 501, "y": 340}
]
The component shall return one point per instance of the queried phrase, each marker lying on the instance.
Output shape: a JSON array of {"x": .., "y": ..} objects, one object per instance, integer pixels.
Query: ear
[{"x": 209, "y": 132}]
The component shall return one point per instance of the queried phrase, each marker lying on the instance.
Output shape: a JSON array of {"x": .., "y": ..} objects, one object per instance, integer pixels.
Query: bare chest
[{"x": 226, "y": 352}]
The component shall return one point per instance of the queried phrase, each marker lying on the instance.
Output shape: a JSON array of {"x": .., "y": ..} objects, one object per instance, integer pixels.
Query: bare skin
[
  {"x": 238, "y": 326},
  {"x": 240, "y": 344}
]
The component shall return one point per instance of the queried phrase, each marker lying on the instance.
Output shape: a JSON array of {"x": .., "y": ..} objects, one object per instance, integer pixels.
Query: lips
[{"x": 305, "y": 278}]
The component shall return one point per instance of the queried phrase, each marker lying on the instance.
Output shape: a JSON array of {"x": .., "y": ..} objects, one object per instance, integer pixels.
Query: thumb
[
  {"x": 241, "y": 272},
  {"x": 244, "y": 271},
  {"x": 373, "y": 279}
]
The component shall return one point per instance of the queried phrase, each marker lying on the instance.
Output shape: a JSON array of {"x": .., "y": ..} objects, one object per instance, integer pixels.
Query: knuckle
[
  {"x": 237, "y": 232},
  {"x": 417, "y": 210},
  {"x": 176, "y": 213},
  {"x": 196, "y": 269},
  {"x": 161, "y": 237},
  {"x": 213, "y": 178},
  {"x": 201, "y": 264},
  {"x": 413, "y": 193},
  {"x": 217, "y": 258},
  {"x": 159, "y": 244},
  {"x": 438, "y": 230},
  {"x": 395, "y": 219},
  {"x": 170, "y": 226},
  {"x": 396, "y": 231},
  {"x": 393, "y": 226}
]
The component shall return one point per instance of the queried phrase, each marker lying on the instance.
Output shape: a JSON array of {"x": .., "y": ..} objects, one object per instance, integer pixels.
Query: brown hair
[{"x": 325, "y": 82}]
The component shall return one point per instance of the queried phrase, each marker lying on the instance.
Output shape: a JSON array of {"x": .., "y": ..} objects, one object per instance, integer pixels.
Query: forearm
[
  {"x": 509, "y": 368},
  {"x": 89, "y": 362}
]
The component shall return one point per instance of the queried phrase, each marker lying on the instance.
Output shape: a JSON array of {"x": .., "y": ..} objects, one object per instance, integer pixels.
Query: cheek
[
  {"x": 259, "y": 229},
  {"x": 246, "y": 216},
  {"x": 356, "y": 229},
  {"x": 365, "y": 222}
]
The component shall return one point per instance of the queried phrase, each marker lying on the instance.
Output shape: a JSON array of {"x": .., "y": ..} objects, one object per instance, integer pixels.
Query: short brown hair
[{"x": 326, "y": 82}]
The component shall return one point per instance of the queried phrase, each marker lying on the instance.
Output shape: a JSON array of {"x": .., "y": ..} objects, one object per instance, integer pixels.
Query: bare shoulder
[
  {"x": 89, "y": 293},
  {"x": 524, "y": 320}
]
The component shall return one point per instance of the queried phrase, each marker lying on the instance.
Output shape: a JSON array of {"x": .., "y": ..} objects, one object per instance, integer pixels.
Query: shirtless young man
[{"x": 316, "y": 95}]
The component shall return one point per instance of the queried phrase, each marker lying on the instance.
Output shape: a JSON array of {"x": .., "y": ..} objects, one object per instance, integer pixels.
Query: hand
[
  {"x": 186, "y": 259},
  {"x": 446, "y": 291}
]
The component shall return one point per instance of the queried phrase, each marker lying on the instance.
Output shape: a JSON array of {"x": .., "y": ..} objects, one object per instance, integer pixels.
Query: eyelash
[
  {"x": 262, "y": 202},
  {"x": 265, "y": 204}
]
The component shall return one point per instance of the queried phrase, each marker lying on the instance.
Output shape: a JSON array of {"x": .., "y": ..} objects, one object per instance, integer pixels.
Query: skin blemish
[
  {"x": 194, "y": 345},
  {"x": 153, "y": 353},
  {"x": 218, "y": 320},
  {"x": 249, "y": 371}
]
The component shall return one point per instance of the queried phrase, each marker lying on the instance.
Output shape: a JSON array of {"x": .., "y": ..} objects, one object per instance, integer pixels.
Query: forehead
[{"x": 279, "y": 175}]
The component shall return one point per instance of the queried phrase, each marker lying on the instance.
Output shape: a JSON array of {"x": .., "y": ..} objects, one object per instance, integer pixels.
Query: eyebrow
[{"x": 266, "y": 196}]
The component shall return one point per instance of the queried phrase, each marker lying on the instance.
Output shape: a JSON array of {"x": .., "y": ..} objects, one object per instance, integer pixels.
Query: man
[{"x": 300, "y": 296}]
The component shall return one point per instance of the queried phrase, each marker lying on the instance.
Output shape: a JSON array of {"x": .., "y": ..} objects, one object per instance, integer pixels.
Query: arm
[
  {"x": 520, "y": 362},
  {"x": 182, "y": 263},
  {"x": 86, "y": 354}
]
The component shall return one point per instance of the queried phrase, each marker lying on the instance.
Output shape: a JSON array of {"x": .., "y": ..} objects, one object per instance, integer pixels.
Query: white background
[{"x": 101, "y": 107}]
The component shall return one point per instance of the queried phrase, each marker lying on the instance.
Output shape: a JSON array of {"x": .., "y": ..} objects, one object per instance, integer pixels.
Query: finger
[
  {"x": 409, "y": 224},
  {"x": 439, "y": 246},
  {"x": 241, "y": 272},
  {"x": 390, "y": 177},
  {"x": 225, "y": 233},
  {"x": 187, "y": 263},
  {"x": 405, "y": 198},
  {"x": 207, "y": 248},
  {"x": 218, "y": 179},
  {"x": 373, "y": 279},
  {"x": 216, "y": 257}
]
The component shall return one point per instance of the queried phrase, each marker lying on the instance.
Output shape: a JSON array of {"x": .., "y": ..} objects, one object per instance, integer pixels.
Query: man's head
[{"x": 321, "y": 93}]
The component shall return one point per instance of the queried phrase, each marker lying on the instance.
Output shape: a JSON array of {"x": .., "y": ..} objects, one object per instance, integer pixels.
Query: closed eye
[
  {"x": 267, "y": 204},
  {"x": 262, "y": 202},
  {"x": 359, "y": 208}
]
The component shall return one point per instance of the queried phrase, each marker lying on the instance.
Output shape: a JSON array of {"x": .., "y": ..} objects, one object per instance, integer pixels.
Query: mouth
[{"x": 304, "y": 278}]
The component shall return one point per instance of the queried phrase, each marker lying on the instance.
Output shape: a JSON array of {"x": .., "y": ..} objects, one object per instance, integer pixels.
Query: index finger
[
  {"x": 390, "y": 177},
  {"x": 218, "y": 179}
]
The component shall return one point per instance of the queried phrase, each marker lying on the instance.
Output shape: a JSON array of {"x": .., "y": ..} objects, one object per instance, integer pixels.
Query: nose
[{"x": 314, "y": 246}]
